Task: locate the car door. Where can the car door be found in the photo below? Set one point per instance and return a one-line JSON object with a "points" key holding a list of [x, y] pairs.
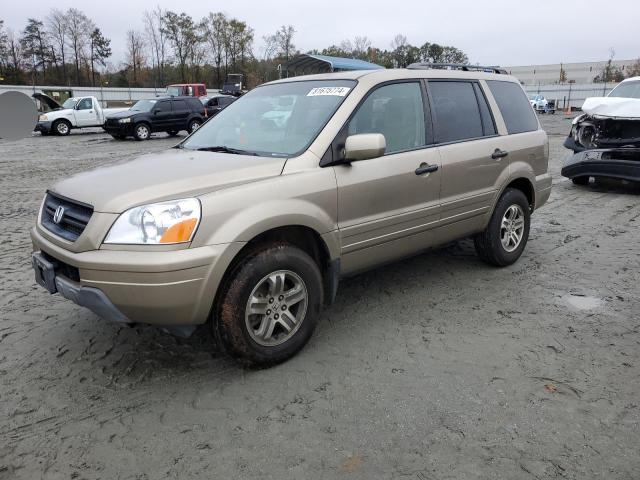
{"points": [[161, 116], [471, 151], [86, 114], [387, 205], [180, 115]]}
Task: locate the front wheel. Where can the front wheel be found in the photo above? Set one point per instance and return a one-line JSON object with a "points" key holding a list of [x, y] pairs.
{"points": [[62, 127], [504, 239], [141, 131], [269, 306]]}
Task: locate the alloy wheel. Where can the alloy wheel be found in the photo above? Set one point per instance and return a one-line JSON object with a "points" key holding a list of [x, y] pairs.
{"points": [[512, 228], [276, 308]]}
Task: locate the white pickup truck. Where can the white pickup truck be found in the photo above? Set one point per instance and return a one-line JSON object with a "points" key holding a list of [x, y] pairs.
{"points": [[76, 112]]}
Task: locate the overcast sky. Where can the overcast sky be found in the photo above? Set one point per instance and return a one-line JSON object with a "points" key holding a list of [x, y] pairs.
{"points": [[504, 32]]}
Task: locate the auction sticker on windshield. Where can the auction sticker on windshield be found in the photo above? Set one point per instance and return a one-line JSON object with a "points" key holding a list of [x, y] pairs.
{"points": [[337, 91]]}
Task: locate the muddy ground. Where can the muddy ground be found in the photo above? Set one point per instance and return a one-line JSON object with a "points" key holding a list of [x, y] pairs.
{"points": [[437, 367]]}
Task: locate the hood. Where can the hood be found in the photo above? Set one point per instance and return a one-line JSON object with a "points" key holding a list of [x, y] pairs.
{"points": [[612, 107], [48, 101], [167, 175], [121, 113]]}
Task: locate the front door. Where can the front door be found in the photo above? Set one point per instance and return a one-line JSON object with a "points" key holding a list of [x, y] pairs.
{"points": [[86, 114], [387, 205]]}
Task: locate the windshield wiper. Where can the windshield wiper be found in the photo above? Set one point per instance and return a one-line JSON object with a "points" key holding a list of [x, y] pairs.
{"points": [[225, 149]]}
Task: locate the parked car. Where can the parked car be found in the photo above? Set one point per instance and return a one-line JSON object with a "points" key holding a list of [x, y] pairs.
{"points": [[214, 105], [162, 114], [541, 104], [605, 138], [187, 90], [75, 112], [247, 225]]}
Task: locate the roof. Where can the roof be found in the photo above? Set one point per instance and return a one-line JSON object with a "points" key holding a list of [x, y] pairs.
{"points": [[382, 75], [328, 63]]}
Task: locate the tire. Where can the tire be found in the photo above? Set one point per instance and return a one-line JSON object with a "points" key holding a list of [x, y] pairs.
{"points": [[194, 125], [261, 339], [172, 133], [512, 214], [141, 132], [61, 127], [580, 180]]}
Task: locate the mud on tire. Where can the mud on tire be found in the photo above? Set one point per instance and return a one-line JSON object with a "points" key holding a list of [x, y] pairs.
{"points": [[238, 332]]}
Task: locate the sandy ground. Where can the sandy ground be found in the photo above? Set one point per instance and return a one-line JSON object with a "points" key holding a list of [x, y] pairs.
{"points": [[437, 367]]}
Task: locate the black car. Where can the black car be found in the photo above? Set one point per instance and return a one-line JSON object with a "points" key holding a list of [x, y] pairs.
{"points": [[162, 114], [215, 105]]}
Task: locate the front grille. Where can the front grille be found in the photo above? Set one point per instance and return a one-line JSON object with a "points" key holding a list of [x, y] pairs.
{"points": [[73, 221]]}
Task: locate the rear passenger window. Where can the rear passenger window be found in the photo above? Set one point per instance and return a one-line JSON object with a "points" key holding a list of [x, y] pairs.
{"points": [[488, 126], [456, 111], [179, 106], [397, 112], [514, 106]]}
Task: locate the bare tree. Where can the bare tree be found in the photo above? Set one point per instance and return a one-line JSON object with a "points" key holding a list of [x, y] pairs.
{"points": [[135, 57], [361, 46], [58, 29], [180, 31], [156, 40], [216, 25], [399, 41], [79, 30], [284, 37]]}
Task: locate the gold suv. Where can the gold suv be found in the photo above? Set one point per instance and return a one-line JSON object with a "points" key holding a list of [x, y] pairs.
{"points": [[248, 224]]}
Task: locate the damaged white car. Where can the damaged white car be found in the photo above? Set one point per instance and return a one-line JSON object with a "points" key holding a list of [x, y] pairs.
{"points": [[605, 139]]}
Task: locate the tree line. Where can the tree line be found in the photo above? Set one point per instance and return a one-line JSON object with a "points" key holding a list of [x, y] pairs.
{"points": [[68, 48]]}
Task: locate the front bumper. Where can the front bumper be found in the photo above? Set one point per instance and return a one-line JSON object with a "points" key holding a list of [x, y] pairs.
{"points": [[620, 163], [125, 129], [44, 127], [152, 286]]}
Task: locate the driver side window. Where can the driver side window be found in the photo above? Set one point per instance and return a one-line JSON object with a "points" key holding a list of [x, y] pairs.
{"points": [[85, 104], [397, 112]]}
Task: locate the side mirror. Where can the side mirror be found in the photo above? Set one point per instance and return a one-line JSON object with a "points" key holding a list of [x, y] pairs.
{"points": [[364, 146]]}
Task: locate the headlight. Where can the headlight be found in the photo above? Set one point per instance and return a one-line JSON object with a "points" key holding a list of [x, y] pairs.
{"points": [[42, 118], [157, 223], [125, 120]]}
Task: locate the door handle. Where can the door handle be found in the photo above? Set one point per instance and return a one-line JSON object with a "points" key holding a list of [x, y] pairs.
{"points": [[498, 154], [426, 168]]}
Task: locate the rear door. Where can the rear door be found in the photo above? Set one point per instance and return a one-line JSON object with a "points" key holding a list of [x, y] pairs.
{"points": [[181, 113], [385, 205], [469, 147], [86, 114]]}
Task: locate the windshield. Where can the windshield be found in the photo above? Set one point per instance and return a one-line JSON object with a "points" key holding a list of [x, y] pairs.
{"points": [[273, 120], [143, 105], [70, 103], [627, 90]]}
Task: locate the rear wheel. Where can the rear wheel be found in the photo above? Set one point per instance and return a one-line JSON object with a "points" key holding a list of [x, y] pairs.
{"points": [[270, 305], [61, 127], [506, 235], [141, 131], [580, 180]]}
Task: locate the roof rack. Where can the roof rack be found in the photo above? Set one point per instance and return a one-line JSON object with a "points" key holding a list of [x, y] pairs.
{"points": [[456, 66]]}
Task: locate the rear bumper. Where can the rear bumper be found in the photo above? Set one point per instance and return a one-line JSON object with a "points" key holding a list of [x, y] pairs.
{"points": [[621, 163], [168, 288]]}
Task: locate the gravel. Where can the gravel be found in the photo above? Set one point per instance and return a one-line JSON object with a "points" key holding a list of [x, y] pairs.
{"points": [[436, 367]]}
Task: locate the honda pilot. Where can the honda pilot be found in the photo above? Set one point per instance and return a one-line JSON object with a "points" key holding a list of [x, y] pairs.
{"points": [[248, 224]]}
